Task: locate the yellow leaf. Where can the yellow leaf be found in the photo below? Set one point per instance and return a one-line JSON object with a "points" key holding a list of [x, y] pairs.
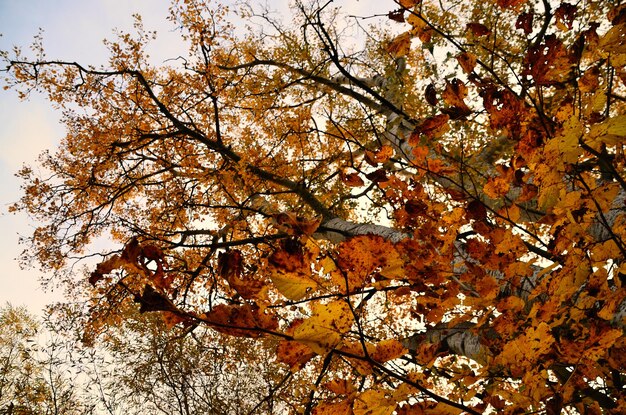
{"points": [[443, 409], [373, 402], [613, 41], [526, 350], [333, 408], [610, 132], [322, 331], [293, 285], [340, 386]]}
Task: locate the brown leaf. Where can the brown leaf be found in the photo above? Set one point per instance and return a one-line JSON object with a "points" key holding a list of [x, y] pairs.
{"points": [[434, 127], [152, 252], [548, 63], [396, 15], [431, 95], [105, 267], [152, 300], [377, 176], [476, 210], [511, 4], [409, 3], [131, 251], [478, 29], [294, 354], [352, 179], [297, 225], [454, 95], [230, 264]]}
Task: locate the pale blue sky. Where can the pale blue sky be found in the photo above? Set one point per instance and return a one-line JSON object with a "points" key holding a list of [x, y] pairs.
{"points": [[73, 30]]}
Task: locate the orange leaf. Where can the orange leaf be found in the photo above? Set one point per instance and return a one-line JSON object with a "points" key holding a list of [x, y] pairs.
{"points": [[400, 45], [352, 179], [467, 61], [240, 320], [294, 354], [434, 127], [388, 350]]}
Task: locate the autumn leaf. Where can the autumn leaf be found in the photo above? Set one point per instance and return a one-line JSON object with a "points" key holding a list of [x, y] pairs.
{"points": [[525, 22], [332, 408], [565, 15], [290, 269], [434, 127], [400, 45], [610, 132], [431, 95], [396, 16], [293, 285], [105, 267], [352, 179], [388, 350], [362, 255], [373, 402], [478, 29], [382, 155], [454, 95], [296, 355], [322, 331], [340, 387], [467, 62], [152, 300], [548, 63], [243, 321]]}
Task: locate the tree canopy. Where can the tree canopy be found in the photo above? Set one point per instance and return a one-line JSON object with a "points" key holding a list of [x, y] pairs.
{"points": [[426, 215]]}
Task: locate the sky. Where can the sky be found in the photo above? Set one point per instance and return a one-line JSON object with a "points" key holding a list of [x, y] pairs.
{"points": [[72, 30]]}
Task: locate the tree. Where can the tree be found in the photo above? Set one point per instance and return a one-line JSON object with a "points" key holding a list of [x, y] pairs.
{"points": [[33, 379], [141, 367], [430, 223]]}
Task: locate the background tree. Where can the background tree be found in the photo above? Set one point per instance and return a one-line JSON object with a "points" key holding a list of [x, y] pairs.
{"points": [[142, 367], [463, 179], [33, 377]]}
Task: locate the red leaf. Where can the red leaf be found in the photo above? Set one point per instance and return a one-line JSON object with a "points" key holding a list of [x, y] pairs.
{"points": [[565, 15], [525, 22], [511, 4]]}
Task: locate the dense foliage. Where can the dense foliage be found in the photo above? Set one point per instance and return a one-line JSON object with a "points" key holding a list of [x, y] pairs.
{"points": [[424, 218]]}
